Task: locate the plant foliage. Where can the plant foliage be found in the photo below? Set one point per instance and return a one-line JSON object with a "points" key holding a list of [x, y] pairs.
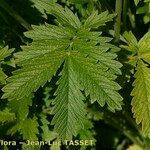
{"points": [[140, 93], [75, 70], [87, 65]]}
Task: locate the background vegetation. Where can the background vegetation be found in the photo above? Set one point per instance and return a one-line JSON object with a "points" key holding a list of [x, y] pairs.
{"points": [[30, 111]]}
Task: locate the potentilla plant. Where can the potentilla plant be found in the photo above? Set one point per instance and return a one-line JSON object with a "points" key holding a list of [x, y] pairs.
{"points": [[78, 77]]}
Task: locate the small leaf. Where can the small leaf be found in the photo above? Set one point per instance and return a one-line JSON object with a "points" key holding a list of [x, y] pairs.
{"points": [[4, 52], [27, 127], [55, 147], [144, 47], [47, 134], [64, 15], [95, 20], [136, 2], [132, 42], [6, 116], [21, 107], [3, 76]]}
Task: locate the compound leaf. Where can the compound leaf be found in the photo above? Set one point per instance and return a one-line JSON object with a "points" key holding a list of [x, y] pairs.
{"points": [[85, 59]]}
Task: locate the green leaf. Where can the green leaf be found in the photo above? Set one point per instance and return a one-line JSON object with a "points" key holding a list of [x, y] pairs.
{"points": [[24, 82], [144, 43], [141, 97], [146, 1], [87, 133], [141, 91], [28, 128], [4, 52], [30, 147], [95, 20], [85, 59], [21, 107], [5, 148], [47, 134], [6, 116], [55, 147], [98, 82], [64, 15], [69, 107], [144, 47], [47, 98], [78, 1], [145, 11], [132, 42], [3, 76], [136, 2], [147, 143], [141, 49], [134, 147]]}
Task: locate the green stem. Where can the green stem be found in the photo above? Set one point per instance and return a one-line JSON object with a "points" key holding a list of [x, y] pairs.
{"points": [[133, 139], [117, 26], [131, 18], [125, 5]]}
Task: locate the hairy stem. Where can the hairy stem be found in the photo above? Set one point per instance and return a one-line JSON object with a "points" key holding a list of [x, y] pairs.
{"points": [[125, 5], [117, 26]]}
